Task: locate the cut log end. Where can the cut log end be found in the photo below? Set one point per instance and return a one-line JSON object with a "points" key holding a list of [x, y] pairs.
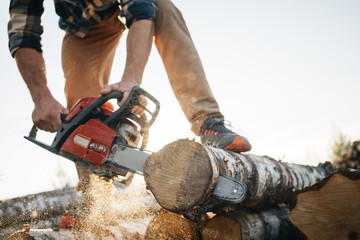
{"points": [[331, 209], [167, 225], [180, 175], [222, 227]]}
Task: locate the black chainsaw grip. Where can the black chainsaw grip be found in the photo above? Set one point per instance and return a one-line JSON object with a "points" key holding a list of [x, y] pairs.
{"points": [[125, 109], [33, 132], [104, 98]]}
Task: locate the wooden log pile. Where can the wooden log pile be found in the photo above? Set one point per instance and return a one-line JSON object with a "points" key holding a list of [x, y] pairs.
{"points": [[183, 175], [350, 159], [280, 201], [329, 209]]}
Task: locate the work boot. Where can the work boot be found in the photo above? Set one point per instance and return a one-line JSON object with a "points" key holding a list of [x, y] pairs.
{"points": [[214, 133]]}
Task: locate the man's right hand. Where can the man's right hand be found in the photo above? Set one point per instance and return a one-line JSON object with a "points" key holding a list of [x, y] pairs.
{"points": [[46, 115]]}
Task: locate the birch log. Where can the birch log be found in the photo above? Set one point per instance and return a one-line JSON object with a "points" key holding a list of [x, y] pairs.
{"points": [[269, 224], [35, 207], [132, 207], [331, 208], [88, 232], [183, 175]]}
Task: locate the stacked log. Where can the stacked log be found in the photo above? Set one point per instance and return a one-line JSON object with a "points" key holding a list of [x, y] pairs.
{"points": [[350, 159], [183, 176], [331, 208], [168, 225], [42, 210], [268, 224], [89, 232]]}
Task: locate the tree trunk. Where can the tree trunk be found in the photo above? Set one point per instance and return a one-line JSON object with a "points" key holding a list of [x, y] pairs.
{"points": [[183, 175], [270, 224], [331, 208], [167, 225]]}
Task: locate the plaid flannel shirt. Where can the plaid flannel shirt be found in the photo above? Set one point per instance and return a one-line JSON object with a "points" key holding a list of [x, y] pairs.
{"points": [[76, 17]]}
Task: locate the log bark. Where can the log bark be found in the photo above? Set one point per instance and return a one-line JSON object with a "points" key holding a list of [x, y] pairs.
{"points": [[183, 174], [167, 225], [35, 207], [269, 224], [331, 208], [88, 232]]}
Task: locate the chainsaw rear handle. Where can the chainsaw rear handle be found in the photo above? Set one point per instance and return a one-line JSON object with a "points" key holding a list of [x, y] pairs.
{"points": [[34, 129]]}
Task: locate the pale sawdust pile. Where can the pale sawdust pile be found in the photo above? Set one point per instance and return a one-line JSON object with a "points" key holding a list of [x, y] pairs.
{"points": [[109, 208]]}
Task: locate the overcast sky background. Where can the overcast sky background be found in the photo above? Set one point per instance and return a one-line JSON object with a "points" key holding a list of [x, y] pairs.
{"points": [[285, 73]]}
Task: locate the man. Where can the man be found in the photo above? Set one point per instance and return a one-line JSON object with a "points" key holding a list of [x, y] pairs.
{"points": [[93, 30]]}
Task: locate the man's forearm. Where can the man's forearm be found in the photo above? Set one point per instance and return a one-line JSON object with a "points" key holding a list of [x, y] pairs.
{"points": [[32, 68], [46, 114], [139, 42]]}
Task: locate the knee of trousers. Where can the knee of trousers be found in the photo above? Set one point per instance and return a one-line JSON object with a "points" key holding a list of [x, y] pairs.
{"points": [[166, 11]]}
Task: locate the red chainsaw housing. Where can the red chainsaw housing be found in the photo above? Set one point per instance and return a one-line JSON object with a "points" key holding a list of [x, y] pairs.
{"points": [[91, 141], [80, 105]]}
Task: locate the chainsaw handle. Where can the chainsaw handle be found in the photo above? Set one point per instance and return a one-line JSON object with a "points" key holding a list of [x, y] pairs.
{"points": [[129, 104], [104, 98], [33, 132]]}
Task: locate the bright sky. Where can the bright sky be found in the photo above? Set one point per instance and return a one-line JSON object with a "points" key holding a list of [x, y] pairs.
{"points": [[285, 73]]}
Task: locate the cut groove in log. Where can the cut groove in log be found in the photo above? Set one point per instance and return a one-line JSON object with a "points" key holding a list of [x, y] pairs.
{"points": [[245, 225], [183, 174], [167, 225], [331, 208]]}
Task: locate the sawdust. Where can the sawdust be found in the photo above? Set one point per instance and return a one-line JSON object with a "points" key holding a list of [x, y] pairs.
{"points": [[105, 204]]}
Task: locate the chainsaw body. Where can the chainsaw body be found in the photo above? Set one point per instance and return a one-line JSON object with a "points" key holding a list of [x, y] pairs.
{"points": [[93, 134]]}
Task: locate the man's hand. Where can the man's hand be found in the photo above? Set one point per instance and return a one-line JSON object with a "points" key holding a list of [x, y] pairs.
{"points": [[46, 114], [125, 87]]}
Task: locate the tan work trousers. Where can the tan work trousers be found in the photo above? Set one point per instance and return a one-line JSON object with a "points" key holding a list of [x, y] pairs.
{"points": [[87, 65]]}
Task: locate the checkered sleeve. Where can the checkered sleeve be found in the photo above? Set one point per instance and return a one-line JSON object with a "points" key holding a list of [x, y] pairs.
{"points": [[24, 27], [135, 10]]}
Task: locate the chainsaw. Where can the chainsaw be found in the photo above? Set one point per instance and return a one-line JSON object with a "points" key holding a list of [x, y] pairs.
{"points": [[102, 140], [105, 141]]}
